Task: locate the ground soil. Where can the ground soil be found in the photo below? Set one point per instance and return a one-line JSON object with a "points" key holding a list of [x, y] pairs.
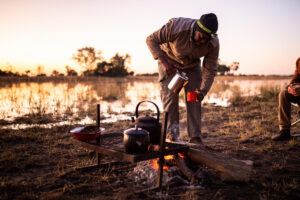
{"points": [[39, 163]]}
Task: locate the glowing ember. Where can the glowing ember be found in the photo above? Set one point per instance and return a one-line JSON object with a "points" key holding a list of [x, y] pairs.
{"points": [[181, 155], [169, 157], [168, 140]]}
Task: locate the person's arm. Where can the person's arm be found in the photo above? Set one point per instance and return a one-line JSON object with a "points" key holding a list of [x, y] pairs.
{"points": [[168, 68], [209, 69], [292, 88], [157, 38]]}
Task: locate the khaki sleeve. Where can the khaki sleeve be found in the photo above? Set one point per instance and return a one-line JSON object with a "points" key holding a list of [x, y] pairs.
{"points": [[159, 37], [209, 69]]}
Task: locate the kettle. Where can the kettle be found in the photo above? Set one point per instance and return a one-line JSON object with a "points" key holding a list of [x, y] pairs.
{"points": [[178, 81], [149, 123], [136, 140]]}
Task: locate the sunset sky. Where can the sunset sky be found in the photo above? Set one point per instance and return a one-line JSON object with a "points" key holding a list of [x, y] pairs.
{"points": [[263, 35]]}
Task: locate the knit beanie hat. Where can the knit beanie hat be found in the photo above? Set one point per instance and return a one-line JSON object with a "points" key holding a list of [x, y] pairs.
{"points": [[208, 24]]}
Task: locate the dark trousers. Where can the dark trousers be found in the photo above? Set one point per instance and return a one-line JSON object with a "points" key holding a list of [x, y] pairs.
{"points": [[284, 109], [170, 101]]}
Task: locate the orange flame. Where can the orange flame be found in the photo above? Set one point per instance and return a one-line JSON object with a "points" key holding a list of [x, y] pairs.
{"points": [[155, 164]]}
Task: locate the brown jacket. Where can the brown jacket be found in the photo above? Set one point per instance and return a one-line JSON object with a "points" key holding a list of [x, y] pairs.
{"points": [[175, 41]]}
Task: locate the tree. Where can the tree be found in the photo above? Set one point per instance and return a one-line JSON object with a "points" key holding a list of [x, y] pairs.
{"points": [[120, 61], [102, 68], [40, 70], [71, 72], [116, 67], [55, 73], [27, 72], [119, 65], [222, 68], [86, 57], [3, 73], [234, 66]]}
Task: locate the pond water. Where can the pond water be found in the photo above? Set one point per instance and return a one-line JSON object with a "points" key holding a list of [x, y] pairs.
{"points": [[117, 97]]}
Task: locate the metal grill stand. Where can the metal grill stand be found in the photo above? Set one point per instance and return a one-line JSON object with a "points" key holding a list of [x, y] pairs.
{"points": [[112, 145]]}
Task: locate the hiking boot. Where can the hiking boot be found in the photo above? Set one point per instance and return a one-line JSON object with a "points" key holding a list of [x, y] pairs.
{"points": [[195, 140], [282, 135]]}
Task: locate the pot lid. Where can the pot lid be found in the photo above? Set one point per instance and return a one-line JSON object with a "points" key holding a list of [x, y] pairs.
{"points": [[136, 131], [183, 75], [147, 119]]}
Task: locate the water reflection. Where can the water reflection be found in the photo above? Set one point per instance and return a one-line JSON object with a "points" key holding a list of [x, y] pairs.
{"points": [[226, 87], [118, 97]]}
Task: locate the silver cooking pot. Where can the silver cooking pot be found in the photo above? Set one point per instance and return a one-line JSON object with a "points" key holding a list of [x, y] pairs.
{"points": [[178, 81]]}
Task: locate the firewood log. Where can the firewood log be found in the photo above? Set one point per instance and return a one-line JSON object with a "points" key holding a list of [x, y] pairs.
{"points": [[230, 169]]}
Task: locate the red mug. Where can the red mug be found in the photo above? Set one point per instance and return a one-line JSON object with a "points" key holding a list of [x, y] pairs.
{"points": [[191, 96]]}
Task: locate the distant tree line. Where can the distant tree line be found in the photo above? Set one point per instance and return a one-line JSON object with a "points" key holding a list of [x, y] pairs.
{"points": [[91, 61], [148, 74], [95, 65], [8, 73]]}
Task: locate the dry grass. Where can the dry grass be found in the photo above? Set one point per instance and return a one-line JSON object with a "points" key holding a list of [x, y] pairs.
{"points": [[37, 163], [268, 92]]}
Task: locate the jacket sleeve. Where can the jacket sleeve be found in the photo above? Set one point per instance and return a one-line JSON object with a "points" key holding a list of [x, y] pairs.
{"points": [[161, 36], [209, 68]]}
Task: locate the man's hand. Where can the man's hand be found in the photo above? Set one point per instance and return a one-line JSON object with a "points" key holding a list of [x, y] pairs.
{"points": [[168, 68], [294, 89], [200, 95]]}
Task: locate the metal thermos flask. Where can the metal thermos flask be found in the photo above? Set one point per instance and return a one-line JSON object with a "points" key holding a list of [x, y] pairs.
{"points": [[178, 82]]}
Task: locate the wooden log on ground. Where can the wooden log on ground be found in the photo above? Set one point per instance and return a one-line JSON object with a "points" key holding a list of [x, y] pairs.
{"points": [[189, 174], [230, 169]]}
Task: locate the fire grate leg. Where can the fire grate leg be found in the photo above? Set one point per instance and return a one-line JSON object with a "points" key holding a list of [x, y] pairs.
{"points": [[98, 139], [161, 150], [160, 172]]}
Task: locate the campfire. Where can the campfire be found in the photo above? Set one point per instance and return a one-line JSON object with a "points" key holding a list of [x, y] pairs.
{"points": [[175, 171], [146, 173], [169, 159]]}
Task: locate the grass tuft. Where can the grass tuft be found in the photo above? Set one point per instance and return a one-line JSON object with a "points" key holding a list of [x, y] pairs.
{"points": [[268, 92]]}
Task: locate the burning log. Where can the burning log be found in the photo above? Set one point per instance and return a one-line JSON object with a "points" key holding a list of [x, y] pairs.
{"points": [[230, 169]]}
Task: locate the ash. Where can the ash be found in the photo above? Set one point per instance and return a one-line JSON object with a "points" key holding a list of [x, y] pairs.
{"points": [[145, 175]]}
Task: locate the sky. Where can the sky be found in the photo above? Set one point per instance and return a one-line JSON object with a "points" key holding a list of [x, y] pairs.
{"points": [[262, 35]]}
